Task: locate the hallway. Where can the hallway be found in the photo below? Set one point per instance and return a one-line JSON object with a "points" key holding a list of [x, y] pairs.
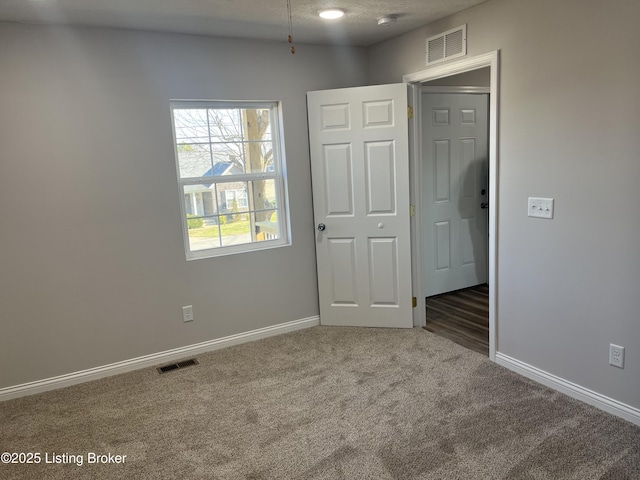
{"points": [[461, 316]]}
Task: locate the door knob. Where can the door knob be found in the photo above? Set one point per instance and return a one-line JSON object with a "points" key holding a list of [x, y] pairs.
{"points": [[484, 205], [321, 227]]}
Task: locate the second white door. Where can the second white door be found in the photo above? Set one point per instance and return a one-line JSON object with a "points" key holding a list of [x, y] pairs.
{"points": [[455, 190]]}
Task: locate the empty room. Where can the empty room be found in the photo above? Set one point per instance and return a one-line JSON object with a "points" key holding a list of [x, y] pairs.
{"points": [[312, 239]]}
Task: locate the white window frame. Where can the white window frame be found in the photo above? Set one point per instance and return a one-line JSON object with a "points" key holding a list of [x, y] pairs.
{"points": [[278, 175]]}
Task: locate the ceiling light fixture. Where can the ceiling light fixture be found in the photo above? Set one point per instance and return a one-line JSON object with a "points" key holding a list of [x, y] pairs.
{"points": [[387, 20], [331, 14]]}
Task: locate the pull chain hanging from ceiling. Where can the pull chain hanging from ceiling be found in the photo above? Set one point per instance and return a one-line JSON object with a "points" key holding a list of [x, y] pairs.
{"points": [[290, 37]]}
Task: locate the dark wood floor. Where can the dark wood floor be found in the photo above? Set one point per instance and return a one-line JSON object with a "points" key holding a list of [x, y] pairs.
{"points": [[462, 317]]}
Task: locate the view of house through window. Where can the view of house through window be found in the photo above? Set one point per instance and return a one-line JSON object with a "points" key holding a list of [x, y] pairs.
{"points": [[229, 165]]}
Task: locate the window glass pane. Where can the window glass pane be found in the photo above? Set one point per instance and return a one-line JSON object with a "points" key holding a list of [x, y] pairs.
{"points": [[194, 160], [266, 225], [223, 141], [264, 194], [234, 198], [209, 204], [242, 138], [257, 134], [228, 158], [204, 232], [256, 123], [191, 125], [225, 124], [200, 199], [259, 157], [236, 230]]}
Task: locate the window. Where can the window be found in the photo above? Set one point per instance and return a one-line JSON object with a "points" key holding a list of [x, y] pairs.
{"points": [[230, 171]]}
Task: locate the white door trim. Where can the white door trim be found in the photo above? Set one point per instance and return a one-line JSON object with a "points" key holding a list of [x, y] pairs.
{"points": [[455, 89], [491, 60]]}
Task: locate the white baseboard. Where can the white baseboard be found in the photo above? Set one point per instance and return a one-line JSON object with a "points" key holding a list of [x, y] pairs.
{"points": [[585, 395], [61, 381]]}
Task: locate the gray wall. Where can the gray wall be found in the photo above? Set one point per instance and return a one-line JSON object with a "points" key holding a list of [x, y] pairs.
{"points": [[569, 129], [92, 264], [475, 78]]}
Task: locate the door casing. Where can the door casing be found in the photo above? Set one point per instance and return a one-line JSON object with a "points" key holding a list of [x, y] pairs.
{"points": [[415, 80]]}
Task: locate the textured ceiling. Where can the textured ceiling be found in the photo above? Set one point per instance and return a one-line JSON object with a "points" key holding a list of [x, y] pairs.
{"points": [[257, 19]]}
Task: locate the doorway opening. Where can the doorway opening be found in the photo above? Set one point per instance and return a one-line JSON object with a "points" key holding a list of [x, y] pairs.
{"points": [[462, 309], [455, 205]]}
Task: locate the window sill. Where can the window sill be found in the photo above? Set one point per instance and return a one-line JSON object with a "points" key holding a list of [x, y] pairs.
{"points": [[236, 249]]}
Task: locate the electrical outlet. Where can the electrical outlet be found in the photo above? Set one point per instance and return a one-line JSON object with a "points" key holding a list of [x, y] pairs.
{"points": [[540, 207], [616, 356], [187, 313]]}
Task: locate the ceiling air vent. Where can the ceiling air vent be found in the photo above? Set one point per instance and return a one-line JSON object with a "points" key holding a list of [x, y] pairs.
{"points": [[444, 46]]}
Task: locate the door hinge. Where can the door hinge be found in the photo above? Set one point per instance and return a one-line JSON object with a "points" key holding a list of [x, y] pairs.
{"points": [[414, 302], [412, 210], [410, 112]]}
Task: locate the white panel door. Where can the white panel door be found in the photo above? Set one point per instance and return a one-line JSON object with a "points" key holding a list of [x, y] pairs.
{"points": [[455, 197], [360, 167]]}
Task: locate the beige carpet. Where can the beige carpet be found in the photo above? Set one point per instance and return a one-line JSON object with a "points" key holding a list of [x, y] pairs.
{"points": [[322, 403]]}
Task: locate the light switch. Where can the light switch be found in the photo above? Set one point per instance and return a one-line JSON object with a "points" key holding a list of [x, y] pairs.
{"points": [[540, 207]]}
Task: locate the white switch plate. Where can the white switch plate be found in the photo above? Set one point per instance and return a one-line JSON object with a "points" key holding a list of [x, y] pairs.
{"points": [[187, 313], [616, 355], [540, 207]]}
